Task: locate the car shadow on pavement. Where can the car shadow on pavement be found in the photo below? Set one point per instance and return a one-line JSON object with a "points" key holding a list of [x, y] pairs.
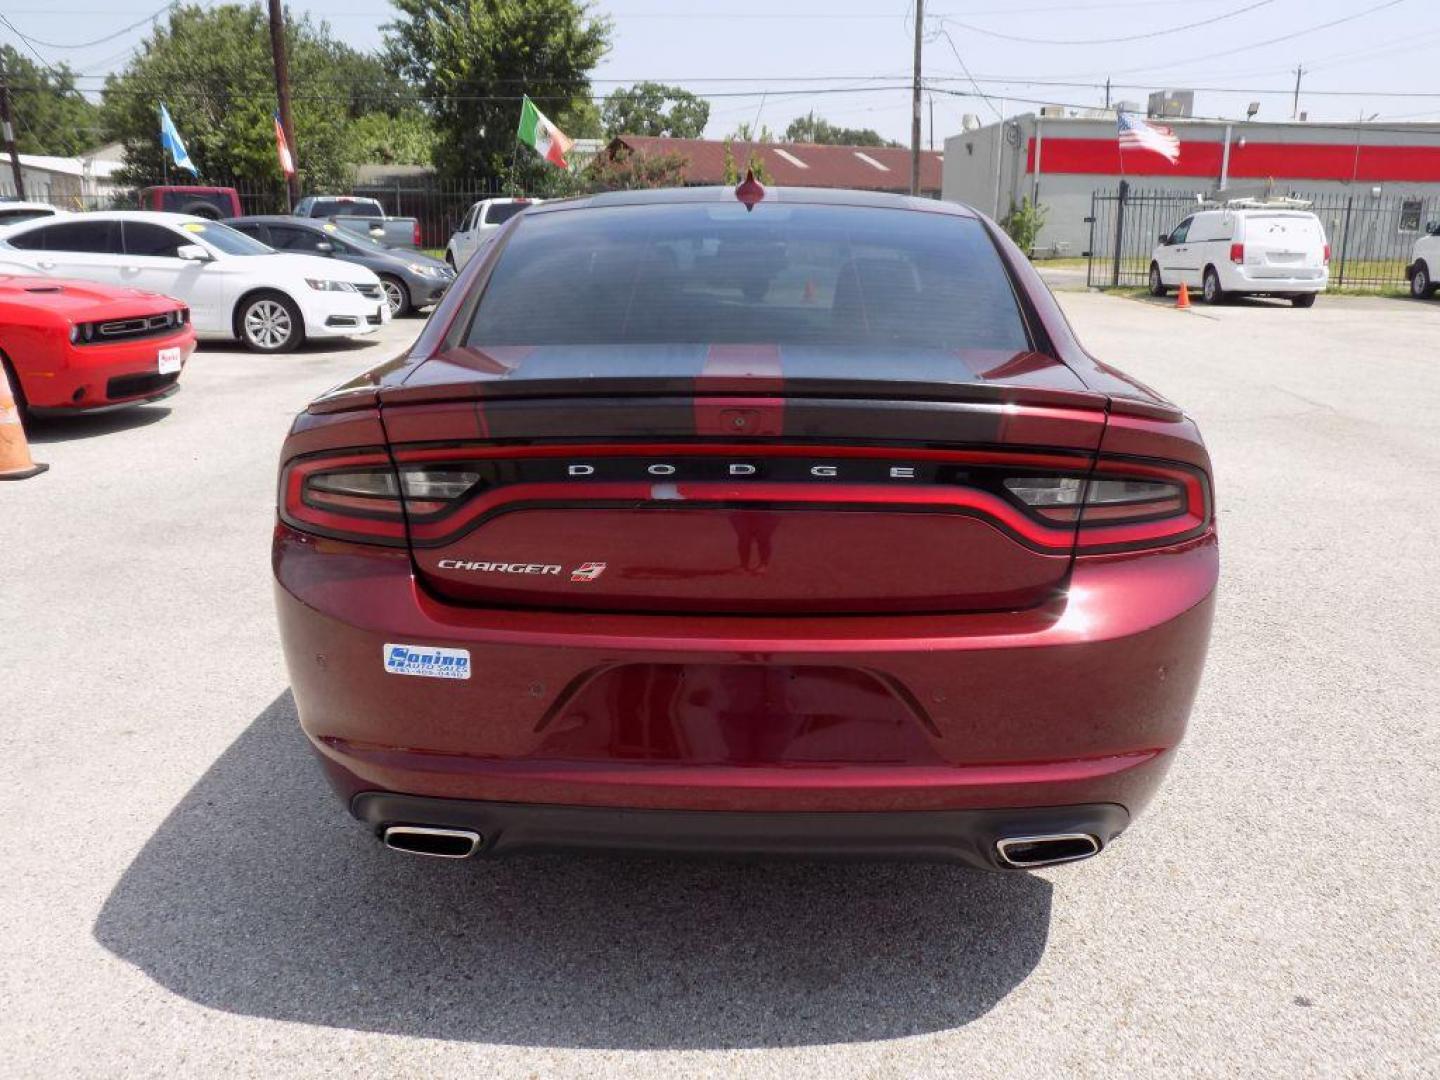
{"points": [[258, 895], [322, 345], [57, 429]]}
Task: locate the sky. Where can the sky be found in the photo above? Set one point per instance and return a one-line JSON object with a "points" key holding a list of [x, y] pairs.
{"points": [[850, 60]]}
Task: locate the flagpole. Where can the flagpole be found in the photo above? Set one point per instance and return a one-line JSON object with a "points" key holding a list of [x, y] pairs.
{"points": [[164, 167]]}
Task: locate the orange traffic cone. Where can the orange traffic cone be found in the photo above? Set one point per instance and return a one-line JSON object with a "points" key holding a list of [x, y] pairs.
{"points": [[1183, 299], [15, 460]]}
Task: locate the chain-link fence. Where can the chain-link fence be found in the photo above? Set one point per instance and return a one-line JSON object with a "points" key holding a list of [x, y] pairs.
{"points": [[1370, 236]]}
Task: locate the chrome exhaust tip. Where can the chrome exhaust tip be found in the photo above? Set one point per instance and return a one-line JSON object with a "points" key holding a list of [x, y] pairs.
{"points": [[436, 843], [1027, 852]]}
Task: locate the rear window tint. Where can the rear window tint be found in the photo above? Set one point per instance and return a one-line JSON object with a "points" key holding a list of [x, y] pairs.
{"points": [[499, 213], [800, 275]]}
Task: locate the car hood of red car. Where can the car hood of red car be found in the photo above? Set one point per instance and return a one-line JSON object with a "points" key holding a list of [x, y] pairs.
{"points": [[79, 301]]}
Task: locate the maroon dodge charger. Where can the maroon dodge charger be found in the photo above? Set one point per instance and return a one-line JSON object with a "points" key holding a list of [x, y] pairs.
{"points": [[796, 522]]}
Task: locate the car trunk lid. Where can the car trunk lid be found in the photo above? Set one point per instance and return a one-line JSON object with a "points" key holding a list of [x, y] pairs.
{"points": [[739, 478]]}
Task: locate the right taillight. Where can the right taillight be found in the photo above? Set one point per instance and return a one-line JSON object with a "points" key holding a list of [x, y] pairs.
{"points": [[1237, 253], [362, 496], [1122, 506]]}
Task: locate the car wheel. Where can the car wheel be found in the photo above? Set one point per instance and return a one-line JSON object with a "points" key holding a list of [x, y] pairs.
{"points": [[397, 296], [1421, 287], [1304, 299], [270, 323], [1157, 286], [202, 210], [1211, 292]]}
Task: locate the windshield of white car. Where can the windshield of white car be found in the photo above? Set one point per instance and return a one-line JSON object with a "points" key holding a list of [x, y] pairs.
{"points": [[225, 239]]}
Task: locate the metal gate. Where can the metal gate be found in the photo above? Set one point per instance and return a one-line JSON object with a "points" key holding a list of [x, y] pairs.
{"points": [[1370, 235]]}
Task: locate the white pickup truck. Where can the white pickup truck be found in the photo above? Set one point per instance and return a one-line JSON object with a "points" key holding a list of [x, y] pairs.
{"points": [[481, 222], [1425, 263]]}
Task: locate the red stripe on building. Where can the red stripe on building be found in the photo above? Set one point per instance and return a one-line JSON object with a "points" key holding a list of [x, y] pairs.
{"points": [[1290, 161]]}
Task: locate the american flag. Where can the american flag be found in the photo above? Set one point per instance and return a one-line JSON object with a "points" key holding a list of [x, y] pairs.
{"points": [[1136, 134]]}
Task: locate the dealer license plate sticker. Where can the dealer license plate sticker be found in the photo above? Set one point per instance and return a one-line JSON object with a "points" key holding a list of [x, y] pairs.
{"points": [[427, 661], [170, 361]]}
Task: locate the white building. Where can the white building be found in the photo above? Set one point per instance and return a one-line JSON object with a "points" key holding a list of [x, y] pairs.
{"points": [[71, 183]]}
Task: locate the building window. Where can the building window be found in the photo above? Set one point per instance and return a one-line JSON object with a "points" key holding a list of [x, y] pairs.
{"points": [[1410, 211]]}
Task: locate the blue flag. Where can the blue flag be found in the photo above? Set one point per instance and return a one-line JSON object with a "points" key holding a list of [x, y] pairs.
{"points": [[170, 140]]}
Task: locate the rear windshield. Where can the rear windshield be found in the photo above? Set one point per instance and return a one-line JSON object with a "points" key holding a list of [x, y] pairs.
{"points": [[502, 212], [367, 208], [801, 275]]}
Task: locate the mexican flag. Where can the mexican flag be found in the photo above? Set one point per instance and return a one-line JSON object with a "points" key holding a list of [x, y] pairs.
{"points": [[536, 130]]}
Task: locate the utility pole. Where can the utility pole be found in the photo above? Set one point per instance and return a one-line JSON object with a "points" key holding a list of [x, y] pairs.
{"points": [[932, 122], [915, 101], [9, 131], [282, 91], [1107, 93], [1295, 105]]}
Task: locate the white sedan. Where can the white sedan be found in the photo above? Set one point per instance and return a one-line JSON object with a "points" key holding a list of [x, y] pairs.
{"points": [[235, 286]]}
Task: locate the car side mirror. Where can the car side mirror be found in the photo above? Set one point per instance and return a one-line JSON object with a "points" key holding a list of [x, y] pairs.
{"points": [[193, 253], [325, 247], [1164, 238]]}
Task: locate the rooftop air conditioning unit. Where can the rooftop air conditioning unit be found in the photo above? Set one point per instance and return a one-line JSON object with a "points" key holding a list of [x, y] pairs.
{"points": [[1172, 103], [1052, 112]]}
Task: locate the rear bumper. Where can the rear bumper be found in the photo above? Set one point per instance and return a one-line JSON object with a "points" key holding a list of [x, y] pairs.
{"points": [[1080, 702], [1242, 281], [964, 836]]}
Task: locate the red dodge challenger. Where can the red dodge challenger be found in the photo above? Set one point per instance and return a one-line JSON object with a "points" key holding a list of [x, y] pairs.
{"points": [[75, 346], [791, 522]]}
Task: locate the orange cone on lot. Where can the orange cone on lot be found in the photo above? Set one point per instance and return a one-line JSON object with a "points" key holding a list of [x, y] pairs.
{"points": [[1182, 299], [15, 460]]}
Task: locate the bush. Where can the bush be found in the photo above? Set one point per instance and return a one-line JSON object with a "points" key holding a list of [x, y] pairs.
{"points": [[1024, 222]]}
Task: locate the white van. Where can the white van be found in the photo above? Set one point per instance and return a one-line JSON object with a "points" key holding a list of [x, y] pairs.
{"points": [[1424, 268], [1246, 249]]}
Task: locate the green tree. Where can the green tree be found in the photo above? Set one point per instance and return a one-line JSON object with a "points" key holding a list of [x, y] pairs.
{"points": [[650, 108], [816, 129], [744, 132], [755, 163], [472, 59], [51, 117], [212, 69], [378, 139]]}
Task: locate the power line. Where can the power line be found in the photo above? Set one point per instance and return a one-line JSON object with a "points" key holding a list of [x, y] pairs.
{"points": [[1111, 40], [1268, 41], [98, 41]]}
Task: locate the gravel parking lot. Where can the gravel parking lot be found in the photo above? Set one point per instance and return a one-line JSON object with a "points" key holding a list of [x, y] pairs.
{"points": [[181, 894]]}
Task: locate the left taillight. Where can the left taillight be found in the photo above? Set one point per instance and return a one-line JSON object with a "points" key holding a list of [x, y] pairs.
{"points": [[1122, 506], [415, 233], [363, 497]]}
